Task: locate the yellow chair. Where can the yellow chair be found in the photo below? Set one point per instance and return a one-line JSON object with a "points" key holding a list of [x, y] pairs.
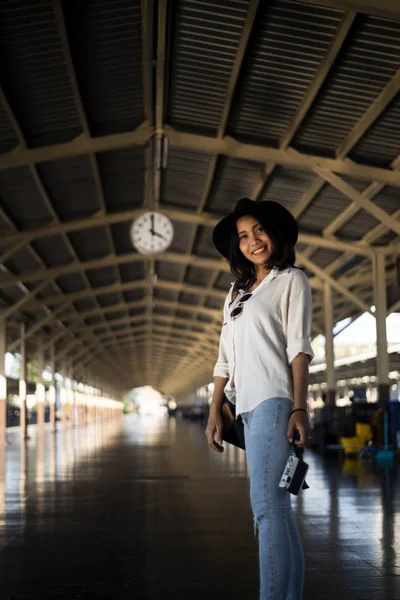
{"points": [[354, 444]]}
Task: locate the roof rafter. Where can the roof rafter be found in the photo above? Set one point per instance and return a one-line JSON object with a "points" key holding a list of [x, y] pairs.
{"points": [[167, 304], [227, 146], [207, 220], [372, 190], [289, 157], [334, 283], [360, 199]]}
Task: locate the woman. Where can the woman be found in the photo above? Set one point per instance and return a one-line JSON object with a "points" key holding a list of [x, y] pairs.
{"points": [[262, 368]]}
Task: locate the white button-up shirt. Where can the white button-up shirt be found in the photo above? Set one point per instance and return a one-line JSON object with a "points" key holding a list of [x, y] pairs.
{"points": [[256, 349]]}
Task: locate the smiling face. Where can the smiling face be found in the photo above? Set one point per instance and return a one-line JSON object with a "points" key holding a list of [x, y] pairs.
{"points": [[254, 242]]}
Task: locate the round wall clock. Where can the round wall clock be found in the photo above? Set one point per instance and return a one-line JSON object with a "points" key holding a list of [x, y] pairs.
{"points": [[152, 233]]}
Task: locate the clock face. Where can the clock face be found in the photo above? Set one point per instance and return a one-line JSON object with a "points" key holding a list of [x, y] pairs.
{"points": [[152, 233]]}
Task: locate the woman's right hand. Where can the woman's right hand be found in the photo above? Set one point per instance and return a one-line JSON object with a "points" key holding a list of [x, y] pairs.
{"points": [[214, 430]]}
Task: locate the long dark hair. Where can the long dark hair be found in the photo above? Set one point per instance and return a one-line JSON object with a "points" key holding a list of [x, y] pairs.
{"points": [[283, 256]]}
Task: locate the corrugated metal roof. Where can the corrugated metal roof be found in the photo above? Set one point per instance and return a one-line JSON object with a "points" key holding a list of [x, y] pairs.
{"points": [[71, 186], [167, 271], [122, 174], [182, 236], [164, 294], [329, 203], [183, 180], [122, 240], [380, 145], [234, 179], [53, 251], [90, 244], [292, 41], [100, 277], [364, 67], [106, 49], [204, 245], [71, 283], [197, 276], [206, 38], [21, 199], [358, 226], [8, 138], [132, 295], [287, 186], [29, 38], [322, 257], [132, 272]]}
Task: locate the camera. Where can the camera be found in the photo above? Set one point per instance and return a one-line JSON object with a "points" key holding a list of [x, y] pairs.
{"points": [[295, 471], [294, 475]]}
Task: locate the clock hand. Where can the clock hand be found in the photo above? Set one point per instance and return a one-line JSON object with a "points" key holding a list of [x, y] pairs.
{"points": [[159, 235]]}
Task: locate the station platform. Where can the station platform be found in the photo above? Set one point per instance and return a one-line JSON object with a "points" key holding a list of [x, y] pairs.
{"points": [[138, 508]]}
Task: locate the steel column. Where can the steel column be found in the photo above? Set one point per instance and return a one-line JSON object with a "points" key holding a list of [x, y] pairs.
{"points": [[382, 357], [329, 347], [23, 422], [3, 386], [52, 390], [40, 389]]}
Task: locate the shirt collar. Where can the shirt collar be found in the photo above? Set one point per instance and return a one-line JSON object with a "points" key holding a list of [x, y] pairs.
{"points": [[271, 275]]}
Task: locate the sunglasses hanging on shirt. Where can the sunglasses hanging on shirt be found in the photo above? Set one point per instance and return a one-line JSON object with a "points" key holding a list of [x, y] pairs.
{"points": [[237, 311]]}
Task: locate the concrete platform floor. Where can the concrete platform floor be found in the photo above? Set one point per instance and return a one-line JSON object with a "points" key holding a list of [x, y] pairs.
{"points": [[141, 509]]}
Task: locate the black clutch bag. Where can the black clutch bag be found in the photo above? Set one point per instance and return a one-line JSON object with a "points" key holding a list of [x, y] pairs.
{"points": [[233, 428]]}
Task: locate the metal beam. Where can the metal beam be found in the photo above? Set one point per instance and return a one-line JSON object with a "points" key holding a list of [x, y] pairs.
{"points": [[227, 146], [161, 318], [81, 145], [207, 220], [360, 199], [291, 158], [372, 190], [110, 260], [121, 306], [394, 308], [56, 299], [384, 8], [334, 284], [374, 111], [5, 313], [308, 197]]}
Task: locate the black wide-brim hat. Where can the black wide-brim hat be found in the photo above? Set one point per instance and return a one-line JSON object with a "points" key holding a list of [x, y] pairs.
{"points": [[267, 212]]}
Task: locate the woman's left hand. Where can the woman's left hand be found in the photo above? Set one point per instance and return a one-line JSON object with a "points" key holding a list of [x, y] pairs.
{"points": [[300, 420]]}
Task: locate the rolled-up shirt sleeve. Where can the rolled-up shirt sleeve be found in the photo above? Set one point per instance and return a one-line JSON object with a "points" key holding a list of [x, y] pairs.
{"points": [[299, 317], [221, 368]]}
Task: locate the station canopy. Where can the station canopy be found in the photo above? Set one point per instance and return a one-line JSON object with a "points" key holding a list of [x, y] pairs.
{"points": [[184, 106]]}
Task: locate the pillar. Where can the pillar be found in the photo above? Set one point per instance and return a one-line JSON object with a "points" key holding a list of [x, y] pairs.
{"points": [[382, 357], [23, 421], [68, 393], [52, 390], [40, 389], [329, 348], [63, 399], [3, 386]]}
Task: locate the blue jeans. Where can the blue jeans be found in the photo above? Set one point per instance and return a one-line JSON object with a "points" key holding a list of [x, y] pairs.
{"points": [[280, 551]]}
